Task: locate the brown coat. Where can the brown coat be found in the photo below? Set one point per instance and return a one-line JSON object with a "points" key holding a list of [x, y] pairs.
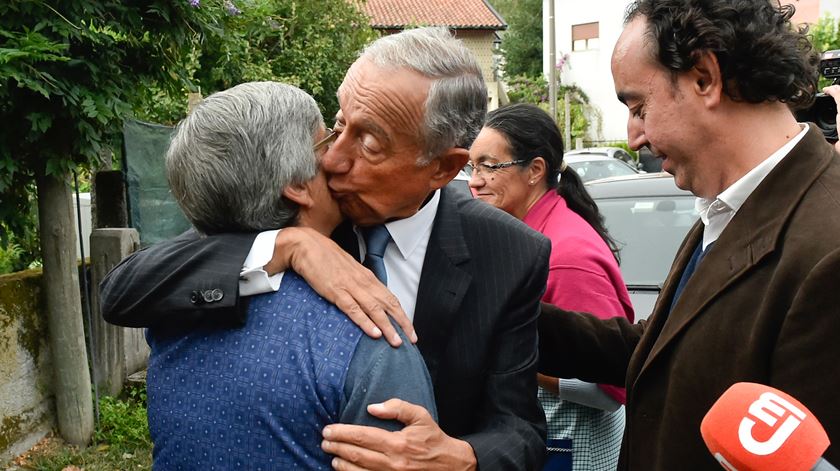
{"points": [[763, 306]]}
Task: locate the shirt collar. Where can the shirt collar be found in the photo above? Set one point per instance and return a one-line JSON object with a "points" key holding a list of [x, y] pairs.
{"points": [[407, 233], [732, 198]]}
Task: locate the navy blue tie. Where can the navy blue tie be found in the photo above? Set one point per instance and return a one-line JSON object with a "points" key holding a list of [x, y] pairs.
{"points": [[696, 258], [376, 240]]}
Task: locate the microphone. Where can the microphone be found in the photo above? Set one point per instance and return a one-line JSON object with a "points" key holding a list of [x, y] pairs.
{"points": [[753, 427]]}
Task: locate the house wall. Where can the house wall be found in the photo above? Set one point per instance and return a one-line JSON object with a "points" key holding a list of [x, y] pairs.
{"points": [[481, 43], [830, 7], [590, 70], [807, 11]]}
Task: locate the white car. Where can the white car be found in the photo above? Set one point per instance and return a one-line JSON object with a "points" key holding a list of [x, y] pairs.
{"points": [[596, 163]]}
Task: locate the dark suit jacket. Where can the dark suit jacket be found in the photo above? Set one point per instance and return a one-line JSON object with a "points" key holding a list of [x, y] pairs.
{"points": [[476, 316], [763, 306]]}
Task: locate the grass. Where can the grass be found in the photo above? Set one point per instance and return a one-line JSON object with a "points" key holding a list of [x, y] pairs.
{"points": [[121, 441]]}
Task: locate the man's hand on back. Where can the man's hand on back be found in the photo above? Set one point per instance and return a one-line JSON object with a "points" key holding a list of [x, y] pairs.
{"points": [[342, 280], [420, 445]]}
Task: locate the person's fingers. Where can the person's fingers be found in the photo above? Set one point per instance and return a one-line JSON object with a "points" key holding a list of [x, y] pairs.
{"points": [[348, 305], [400, 410], [348, 456], [369, 438], [343, 465], [377, 303], [392, 306], [383, 304]]}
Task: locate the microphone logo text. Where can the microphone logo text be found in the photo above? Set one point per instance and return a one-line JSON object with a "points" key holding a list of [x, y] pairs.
{"points": [[769, 409]]}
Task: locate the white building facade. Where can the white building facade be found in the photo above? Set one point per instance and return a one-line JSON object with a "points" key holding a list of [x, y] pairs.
{"points": [[588, 30]]}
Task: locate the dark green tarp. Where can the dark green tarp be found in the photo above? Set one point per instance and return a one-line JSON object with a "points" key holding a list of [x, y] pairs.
{"points": [[152, 209]]}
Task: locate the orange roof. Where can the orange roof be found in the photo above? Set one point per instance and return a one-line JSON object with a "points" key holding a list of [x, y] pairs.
{"points": [[458, 14]]}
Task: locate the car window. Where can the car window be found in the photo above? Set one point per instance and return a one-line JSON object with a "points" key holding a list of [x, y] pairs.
{"points": [[649, 231], [595, 169]]}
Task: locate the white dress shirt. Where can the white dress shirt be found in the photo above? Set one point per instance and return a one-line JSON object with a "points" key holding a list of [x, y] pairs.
{"points": [[406, 252], [403, 258], [717, 213]]}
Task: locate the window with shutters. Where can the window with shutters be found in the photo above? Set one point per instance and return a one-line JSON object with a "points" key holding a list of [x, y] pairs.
{"points": [[585, 37]]}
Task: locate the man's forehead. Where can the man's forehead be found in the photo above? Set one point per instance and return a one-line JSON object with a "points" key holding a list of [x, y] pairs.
{"points": [[393, 95], [634, 41]]}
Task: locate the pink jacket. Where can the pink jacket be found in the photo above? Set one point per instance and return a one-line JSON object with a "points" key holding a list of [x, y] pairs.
{"points": [[583, 274]]}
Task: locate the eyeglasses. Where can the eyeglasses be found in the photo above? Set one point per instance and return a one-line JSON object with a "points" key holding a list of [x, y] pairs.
{"points": [[483, 168], [331, 137]]}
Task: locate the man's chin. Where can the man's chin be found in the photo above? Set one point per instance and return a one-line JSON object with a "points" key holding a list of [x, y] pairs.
{"points": [[358, 214]]}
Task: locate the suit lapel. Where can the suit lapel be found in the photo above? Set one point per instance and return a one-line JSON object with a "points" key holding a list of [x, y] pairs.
{"points": [[752, 234], [443, 282]]}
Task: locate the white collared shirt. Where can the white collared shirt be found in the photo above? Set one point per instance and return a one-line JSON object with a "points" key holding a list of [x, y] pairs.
{"points": [[717, 213], [404, 257], [406, 252]]}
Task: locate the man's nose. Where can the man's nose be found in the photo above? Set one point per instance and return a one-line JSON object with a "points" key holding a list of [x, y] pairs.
{"points": [[337, 158], [636, 138]]}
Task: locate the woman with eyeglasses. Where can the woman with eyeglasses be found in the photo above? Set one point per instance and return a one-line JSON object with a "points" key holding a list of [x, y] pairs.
{"points": [[516, 164]]}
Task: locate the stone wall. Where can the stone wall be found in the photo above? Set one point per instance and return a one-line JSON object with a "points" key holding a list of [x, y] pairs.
{"points": [[27, 402], [26, 388]]}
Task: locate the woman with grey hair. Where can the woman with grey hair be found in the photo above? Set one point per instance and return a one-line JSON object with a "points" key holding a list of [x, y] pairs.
{"points": [[241, 160], [258, 395]]}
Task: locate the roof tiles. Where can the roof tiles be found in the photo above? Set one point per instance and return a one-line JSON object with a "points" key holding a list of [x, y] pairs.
{"points": [[459, 14]]}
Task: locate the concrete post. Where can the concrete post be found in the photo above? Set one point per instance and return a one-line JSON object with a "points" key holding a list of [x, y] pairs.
{"points": [[119, 351]]}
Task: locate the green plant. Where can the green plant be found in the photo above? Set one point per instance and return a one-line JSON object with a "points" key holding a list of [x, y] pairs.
{"points": [[9, 258], [120, 442], [19, 243], [123, 422], [534, 90], [522, 42], [71, 71], [825, 36]]}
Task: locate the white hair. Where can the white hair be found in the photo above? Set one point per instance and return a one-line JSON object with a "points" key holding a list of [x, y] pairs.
{"points": [[457, 100], [231, 158]]}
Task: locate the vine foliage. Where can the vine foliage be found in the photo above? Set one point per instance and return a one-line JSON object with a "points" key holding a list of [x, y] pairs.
{"points": [[72, 70]]}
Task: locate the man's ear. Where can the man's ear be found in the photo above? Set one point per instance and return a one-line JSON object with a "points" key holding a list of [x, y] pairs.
{"points": [[448, 165], [299, 193], [706, 77]]}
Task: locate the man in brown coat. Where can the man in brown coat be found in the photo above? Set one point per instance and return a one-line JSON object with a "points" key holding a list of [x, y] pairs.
{"points": [[753, 292]]}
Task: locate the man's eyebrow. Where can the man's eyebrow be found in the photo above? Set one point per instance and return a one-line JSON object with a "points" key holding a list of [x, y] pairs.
{"points": [[374, 128], [624, 97]]}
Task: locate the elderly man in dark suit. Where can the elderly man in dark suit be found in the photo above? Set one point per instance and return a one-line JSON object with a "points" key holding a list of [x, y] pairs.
{"points": [[752, 294], [469, 275]]}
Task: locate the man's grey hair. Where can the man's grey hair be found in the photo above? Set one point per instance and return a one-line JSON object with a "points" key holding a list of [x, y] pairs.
{"points": [[231, 158], [457, 101]]}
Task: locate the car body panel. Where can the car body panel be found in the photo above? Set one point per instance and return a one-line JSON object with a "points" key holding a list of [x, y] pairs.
{"points": [[649, 217]]}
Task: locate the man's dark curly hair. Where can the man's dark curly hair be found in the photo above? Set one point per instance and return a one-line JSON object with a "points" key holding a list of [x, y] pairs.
{"points": [[762, 57]]}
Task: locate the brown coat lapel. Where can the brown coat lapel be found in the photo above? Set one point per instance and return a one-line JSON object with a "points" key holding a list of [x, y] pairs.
{"points": [[751, 235]]}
